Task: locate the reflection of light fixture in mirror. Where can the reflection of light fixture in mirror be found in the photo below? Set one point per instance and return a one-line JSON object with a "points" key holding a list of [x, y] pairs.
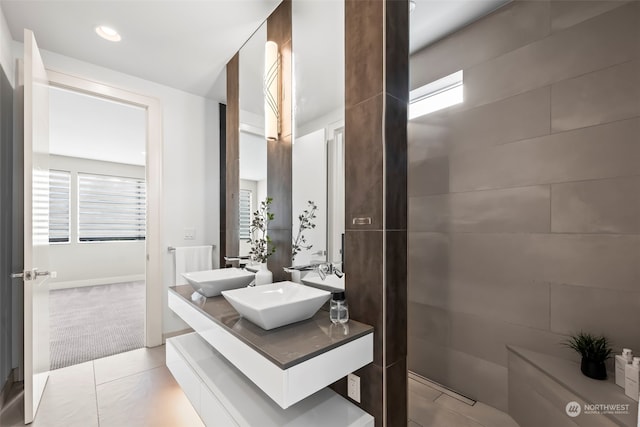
{"points": [[271, 91], [412, 5]]}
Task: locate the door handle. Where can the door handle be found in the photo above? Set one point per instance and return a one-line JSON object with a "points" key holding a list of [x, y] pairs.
{"points": [[25, 275], [33, 274]]}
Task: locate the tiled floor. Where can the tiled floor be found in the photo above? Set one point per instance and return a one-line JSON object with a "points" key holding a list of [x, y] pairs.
{"points": [[135, 389], [429, 407], [132, 389]]}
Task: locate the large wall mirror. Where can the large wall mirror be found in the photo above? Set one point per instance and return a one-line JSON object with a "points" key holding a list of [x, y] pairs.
{"points": [[253, 145], [318, 145]]}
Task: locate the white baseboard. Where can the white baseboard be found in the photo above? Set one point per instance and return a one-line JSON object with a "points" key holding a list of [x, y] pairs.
{"points": [[95, 282]]}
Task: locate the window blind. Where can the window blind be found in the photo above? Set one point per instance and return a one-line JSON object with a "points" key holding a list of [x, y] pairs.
{"points": [[111, 208], [59, 213], [245, 213]]}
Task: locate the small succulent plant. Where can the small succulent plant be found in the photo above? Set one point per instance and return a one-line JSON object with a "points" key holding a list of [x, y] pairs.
{"points": [[591, 347]]}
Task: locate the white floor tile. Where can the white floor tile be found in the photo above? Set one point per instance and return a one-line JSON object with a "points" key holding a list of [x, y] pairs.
{"points": [[69, 399], [148, 399], [484, 414], [129, 363], [427, 413]]}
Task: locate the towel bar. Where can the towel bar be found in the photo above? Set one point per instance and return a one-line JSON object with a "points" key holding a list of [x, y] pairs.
{"points": [[172, 248]]}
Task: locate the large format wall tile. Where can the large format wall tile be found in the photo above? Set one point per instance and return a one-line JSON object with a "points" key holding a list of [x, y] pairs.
{"points": [[492, 211], [504, 30], [567, 13], [576, 308], [596, 98], [601, 206], [524, 302], [524, 217], [364, 71], [468, 334], [580, 49], [363, 268], [364, 157], [604, 151], [427, 176], [519, 117], [601, 261]]}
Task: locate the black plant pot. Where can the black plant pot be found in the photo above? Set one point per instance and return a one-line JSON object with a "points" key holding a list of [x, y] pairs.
{"points": [[593, 369]]}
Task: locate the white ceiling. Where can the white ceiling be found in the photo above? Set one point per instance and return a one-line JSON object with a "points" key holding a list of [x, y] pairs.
{"points": [[184, 44], [95, 128]]}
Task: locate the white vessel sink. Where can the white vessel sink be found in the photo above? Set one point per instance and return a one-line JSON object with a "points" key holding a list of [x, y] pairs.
{"points": [[277, 304], [211, 282], [331, 282]]}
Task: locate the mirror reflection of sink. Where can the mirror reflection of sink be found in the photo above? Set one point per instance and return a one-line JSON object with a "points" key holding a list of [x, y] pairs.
{"points": [[277, 304], [211, 282], [331, 282]]}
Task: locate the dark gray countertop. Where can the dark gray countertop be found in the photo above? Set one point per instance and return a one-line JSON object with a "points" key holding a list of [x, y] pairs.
{"points": [[286, 346]]}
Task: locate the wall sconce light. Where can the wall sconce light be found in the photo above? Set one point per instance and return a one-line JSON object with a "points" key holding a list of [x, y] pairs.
{"points": [[271, 91]]}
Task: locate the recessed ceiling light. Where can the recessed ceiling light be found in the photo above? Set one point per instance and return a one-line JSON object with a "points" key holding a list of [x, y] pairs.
{"points": [[108, 33]]}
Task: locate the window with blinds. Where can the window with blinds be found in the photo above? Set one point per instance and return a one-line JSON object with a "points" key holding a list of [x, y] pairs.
{"points": [[59, 212], [111, 208], [245, 213]]}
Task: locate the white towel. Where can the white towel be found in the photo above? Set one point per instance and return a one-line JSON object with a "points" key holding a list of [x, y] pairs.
{"points": [[192, 258]]}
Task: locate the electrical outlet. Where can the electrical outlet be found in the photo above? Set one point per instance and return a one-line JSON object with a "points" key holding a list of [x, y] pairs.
{"points": [[353, 387], [189, 234]]}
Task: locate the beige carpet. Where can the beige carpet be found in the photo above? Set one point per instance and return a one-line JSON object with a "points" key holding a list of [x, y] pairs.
{"points": [[96, 321]]}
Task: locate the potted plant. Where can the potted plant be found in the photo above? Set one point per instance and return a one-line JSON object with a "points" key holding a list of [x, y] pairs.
{"points": [[595, 350], [261, 246]]}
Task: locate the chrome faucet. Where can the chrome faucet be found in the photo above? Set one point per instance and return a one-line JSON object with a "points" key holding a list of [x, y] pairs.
{"points": [[327, 268]]}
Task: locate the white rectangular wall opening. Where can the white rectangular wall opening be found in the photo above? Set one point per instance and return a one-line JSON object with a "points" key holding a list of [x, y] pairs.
{"points": [[436, 95]]}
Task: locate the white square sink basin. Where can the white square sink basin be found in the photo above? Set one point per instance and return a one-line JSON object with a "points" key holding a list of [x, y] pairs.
{"points": [[277, 304], [211, 282]]}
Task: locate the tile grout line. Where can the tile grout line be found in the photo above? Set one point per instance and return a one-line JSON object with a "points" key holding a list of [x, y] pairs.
{"points": [[95, 388]]}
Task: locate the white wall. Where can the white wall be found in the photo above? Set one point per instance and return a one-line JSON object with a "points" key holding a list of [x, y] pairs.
{"points": [[191, 161], [94, 263], [6, 57]]}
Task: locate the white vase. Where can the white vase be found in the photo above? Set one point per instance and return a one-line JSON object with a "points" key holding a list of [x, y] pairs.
{"points": [[264, 276], [296, 277]]}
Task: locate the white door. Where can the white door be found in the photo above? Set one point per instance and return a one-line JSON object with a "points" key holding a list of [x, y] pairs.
{"points": [[36, 227]]}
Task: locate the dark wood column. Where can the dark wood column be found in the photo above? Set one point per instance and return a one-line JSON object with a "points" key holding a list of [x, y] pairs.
{"points": [[232, 164], [279, 152], [377, 76]]}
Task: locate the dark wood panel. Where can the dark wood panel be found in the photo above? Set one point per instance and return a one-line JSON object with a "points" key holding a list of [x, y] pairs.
{"points": [[279, 152], [364, 37], [376, 187], [232, 220], [223, 181], [279, 24]]}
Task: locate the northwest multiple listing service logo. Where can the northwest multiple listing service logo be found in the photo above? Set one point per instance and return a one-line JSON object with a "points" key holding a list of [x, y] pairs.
{"points": [[573, 409]]}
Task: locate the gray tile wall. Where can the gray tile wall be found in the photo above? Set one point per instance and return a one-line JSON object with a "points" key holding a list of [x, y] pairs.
{"points": [[524, 201]]}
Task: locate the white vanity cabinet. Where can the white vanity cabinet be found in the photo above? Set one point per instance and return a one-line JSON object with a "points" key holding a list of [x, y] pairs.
{"points": [[237, 374]]}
